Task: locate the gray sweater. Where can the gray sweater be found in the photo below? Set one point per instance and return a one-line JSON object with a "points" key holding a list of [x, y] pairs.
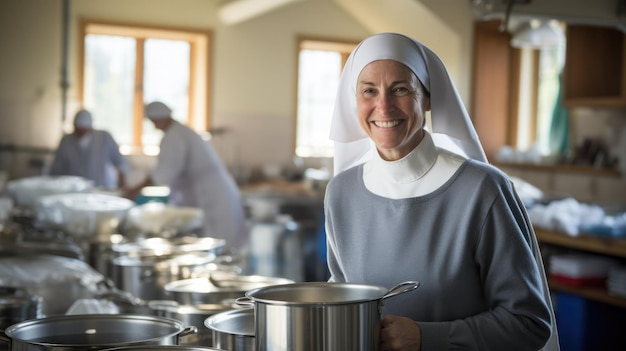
{"points": [[470, 245]]}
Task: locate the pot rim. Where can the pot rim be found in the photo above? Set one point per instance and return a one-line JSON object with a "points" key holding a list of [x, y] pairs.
{"points": [[203, 285], [21, 326], [317, 293], [212, 322]]}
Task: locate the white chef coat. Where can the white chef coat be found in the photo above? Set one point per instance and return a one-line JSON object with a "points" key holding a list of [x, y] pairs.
{"points": [[197, 177]]}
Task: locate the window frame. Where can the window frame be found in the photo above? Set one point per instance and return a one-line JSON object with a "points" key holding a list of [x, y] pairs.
{"points": [[200, 72], [303, 42]]}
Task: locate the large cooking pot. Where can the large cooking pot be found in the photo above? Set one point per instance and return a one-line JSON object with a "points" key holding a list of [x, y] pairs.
{"points": [[93, 332], [191, 315], [217, 287], [174, 246], [16, 305], [145, 277], [163, 348], [319, 316], [232, 330]]}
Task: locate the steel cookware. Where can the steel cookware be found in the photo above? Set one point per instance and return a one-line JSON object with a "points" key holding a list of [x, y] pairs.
{"points": [[191, 315], [173, 246], [217, 287], [16, 305], [145, 277], [319, 316], [232, 330], [93, 332], [164, 348]]}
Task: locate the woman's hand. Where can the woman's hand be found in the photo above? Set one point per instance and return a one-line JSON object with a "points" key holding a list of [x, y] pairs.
{"points": [[399, 334]]}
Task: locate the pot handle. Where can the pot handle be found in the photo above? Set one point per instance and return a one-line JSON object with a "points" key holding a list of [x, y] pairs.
{"points": [[5, 338], [188, 331], [245, 301], [402, 288]]}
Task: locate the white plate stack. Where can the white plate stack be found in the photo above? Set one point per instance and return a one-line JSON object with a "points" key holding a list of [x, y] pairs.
{"points": [[616, 283]]}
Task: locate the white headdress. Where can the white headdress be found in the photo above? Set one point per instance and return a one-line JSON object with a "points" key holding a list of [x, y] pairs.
{"points": [[450, 121]]}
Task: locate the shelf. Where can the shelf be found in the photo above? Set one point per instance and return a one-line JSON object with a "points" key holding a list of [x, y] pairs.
{"points": [[600, 245], [561, 168], [599, 294]]}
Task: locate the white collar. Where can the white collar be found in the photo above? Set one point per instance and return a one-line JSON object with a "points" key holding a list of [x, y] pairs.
{"points": [[409, 168]]}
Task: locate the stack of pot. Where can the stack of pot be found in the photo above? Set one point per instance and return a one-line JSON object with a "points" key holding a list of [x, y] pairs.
{"points": [[196, 299], [144, 267]]}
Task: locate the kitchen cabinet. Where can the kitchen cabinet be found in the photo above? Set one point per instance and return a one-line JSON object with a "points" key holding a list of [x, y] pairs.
{"points": [[588, 317], [614, 247], [595, 67]]}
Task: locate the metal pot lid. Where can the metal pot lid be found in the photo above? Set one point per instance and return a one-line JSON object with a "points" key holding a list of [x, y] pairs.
{"points": [[224, 281], [94, 329], [166, 262], [163, 347], [11, 296], [236, 322], [162, 246]]}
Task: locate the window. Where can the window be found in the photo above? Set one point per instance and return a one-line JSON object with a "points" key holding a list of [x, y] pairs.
{"points": [[125, 67], [320, 63], [539, 88]]}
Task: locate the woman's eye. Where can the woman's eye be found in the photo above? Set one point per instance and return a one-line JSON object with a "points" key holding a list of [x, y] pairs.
{"points": [[400, 91]]}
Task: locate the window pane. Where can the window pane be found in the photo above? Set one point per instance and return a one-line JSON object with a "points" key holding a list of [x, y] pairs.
{"points": [[550, 65], [166, 78], [318, 78], [109, 83]]}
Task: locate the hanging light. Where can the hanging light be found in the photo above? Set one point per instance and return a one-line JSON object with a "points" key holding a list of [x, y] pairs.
{"points": [[538, 34]]}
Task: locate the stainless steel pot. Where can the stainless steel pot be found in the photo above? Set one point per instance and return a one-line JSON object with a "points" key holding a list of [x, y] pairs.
{"points": [[164, 348], [217, 288], [319, 316], [146, 277], [16, 305], [174, 246], [191, 315], [93, 332], [232, 330]]}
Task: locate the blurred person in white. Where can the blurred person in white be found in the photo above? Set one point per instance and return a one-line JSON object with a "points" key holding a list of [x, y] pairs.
{"points": [[197, 177], [407, 203], [92, 154]]}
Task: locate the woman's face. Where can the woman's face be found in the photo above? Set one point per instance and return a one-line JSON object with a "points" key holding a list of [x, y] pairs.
{"points": [[391, 107]]}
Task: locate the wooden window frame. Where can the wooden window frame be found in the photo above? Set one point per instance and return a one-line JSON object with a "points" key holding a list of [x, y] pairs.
{"points": [[200, 104]]}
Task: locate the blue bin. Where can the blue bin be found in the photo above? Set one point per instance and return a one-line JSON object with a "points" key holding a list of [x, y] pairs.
{"points": [[587, 325]]}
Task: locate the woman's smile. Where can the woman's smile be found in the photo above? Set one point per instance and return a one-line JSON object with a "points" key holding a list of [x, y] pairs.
{"points": [[388, 124]]}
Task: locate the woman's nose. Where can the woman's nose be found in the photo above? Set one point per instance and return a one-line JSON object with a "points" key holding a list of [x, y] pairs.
{"points": [[384, 103]]}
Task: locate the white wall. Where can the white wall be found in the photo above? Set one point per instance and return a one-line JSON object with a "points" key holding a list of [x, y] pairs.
{"points": [[253, 61]]}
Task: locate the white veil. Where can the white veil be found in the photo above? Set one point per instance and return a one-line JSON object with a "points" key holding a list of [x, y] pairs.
{"points": [[450, 121]]}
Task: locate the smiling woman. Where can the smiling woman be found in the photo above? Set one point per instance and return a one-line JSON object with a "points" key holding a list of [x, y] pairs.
{"points": [[392, 107]]}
